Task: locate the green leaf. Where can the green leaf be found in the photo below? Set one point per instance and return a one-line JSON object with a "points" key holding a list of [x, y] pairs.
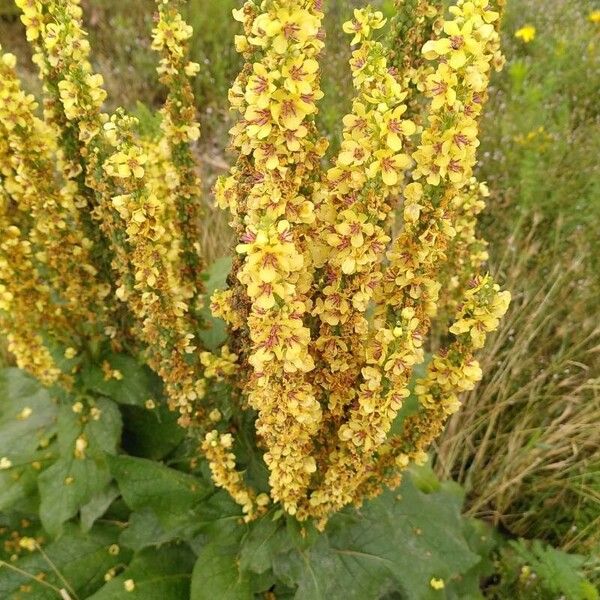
{"points": [[266, 539], [27, 415], [147, 484], [102, 433], [66, 486], [397, 542], [216, 279], [156, 573], [556, 572], [139, 383], [97, 506], [400, 528], [81, 560], [17, 486], [217, 574], [483, 541], [144, 529]]}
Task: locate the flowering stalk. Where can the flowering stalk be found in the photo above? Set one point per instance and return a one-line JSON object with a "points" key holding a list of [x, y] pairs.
{"points": [[73, 96], [355, 204], [407, 298], [62, 250], [179, 126], [452, 370], [269, 194], [149, 283], [24, 297]]}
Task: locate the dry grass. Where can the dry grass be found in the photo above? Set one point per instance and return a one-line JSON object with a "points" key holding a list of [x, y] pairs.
{"points": [[526, 443]]}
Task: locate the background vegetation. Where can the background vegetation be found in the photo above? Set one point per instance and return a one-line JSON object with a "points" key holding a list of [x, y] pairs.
{"points": [[525, 448]]}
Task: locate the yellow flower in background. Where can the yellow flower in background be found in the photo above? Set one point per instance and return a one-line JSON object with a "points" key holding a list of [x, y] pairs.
{"points": [[526, 33], [594, 16]]}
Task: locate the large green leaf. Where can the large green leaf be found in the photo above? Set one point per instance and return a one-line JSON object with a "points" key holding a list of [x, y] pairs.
{"points": [[75, 480], [265, 540], [138, 384], [153, 574], [76, 562], [102, 432], [18, 486], [483, 541], [218, 572], [27, 415], [406, 535], [67, 485], [97, 506], [396, 542], [145, 529], [146, 484]]}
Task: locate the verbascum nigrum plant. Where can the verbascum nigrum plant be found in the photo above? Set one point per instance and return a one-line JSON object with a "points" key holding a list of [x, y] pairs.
{"points": [[342, 265]]}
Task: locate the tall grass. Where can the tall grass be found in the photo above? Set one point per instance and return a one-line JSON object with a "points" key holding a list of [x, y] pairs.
{"points": [[525, 445]]}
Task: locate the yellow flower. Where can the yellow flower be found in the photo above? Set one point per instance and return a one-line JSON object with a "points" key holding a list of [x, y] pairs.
{"points": [[391, 166], [287, 27], [33, 25], [260, 86], [594, 16], [441, 85], [125, 164], [365, 20], [526, 33], [289, 110], [394, 128], [299, 75], [437, 584]]}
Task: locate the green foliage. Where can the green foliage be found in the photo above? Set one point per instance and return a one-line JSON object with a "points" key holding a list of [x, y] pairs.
{"points": [[172, 530], [362, 554], [20, 435], [157, 574], [24, 440], [75, 563], [113, 521], [215, 279], [138, 384], [534, 571], [541, 128]]}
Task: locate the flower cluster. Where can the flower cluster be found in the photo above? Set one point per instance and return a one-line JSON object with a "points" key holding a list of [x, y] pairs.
{"points": [[269, 194], [44, 229], [354, 211], [452, 370], [179, 126], [406, 299], [221, 461], [343, 264], [152, 282]]}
